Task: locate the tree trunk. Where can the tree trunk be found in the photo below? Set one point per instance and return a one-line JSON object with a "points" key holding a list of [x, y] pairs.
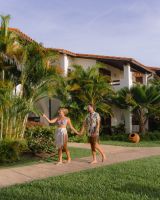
{"points": [[24, 126], [1, 137], [142, 121], [3, 75]]}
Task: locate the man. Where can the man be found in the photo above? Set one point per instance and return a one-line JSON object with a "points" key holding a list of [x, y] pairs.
{"points": [[92, 122]]}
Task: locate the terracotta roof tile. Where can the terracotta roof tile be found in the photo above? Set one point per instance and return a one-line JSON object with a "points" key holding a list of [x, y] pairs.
{"points": [[91, 56], [94, 56], [21, 34], [63, 51], [154, 68]]}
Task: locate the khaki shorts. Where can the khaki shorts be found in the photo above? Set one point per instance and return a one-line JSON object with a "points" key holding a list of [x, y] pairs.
{"points": [[93, 140]]}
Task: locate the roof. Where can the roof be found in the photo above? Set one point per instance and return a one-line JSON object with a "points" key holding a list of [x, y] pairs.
{"points": [[154, 68], [21, 34], [112, 60]]}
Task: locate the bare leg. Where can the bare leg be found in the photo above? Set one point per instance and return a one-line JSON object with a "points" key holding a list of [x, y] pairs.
{"points": [[97, 146], [93, 154], [60, 155], [67, 152]]}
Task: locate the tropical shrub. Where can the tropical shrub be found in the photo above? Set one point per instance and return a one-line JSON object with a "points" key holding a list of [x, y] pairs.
{"points": [[41, 139], [79, 139], [142, 100], [11, 150], [84, 86], [119, 129], [31, 124], [116, 137], [151, 136]]}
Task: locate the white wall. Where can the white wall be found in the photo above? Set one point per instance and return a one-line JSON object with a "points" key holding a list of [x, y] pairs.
{"points": [[65, 62], [43, 106], [118, 116], [116, 74], [84, 62], [145, 79]]}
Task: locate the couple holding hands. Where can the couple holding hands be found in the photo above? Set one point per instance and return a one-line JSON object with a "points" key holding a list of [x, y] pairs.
{"points": [[91, 122]]}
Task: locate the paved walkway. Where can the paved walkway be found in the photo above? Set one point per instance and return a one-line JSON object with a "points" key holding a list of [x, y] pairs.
{"points": [[115, 154]]}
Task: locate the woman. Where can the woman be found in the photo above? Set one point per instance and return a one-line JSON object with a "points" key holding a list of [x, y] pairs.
{"points": [[61, 133]]}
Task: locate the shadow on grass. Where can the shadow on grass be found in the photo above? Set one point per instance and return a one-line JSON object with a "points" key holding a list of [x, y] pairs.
{"points": [[143, 190]]}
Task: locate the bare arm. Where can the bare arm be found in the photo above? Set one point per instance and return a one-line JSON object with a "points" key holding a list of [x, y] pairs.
{"points": [[71, 126], [50, 121], [83, 128]]}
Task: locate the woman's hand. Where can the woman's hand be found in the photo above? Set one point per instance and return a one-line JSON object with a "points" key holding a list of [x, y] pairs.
{"points": [[78, 133], [44, 116]]}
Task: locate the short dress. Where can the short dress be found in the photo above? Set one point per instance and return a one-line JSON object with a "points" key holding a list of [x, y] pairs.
{"points": [[61, 136]]}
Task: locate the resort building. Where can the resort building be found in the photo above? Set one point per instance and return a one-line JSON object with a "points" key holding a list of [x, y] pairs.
{"points": [[121, 71]]}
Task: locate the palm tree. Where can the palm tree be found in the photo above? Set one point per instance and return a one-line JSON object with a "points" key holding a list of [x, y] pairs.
{"points": [[87, 86], [142, 99], [9, 50], [38, 78], [38, 81], [9, 58], [37, 75]]}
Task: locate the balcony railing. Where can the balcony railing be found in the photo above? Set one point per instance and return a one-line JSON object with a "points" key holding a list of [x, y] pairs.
{"points": [[115, 82]]}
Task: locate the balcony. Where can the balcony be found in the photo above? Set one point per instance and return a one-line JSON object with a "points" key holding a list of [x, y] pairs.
{"points": [[118, 84]]}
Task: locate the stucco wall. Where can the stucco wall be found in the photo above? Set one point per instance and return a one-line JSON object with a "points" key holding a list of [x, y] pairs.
{"points": [[43, 106], [118, 116], [84, 62]]}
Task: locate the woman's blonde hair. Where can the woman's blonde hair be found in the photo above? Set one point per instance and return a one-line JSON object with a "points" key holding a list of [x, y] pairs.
{"points": [[65, 110]]}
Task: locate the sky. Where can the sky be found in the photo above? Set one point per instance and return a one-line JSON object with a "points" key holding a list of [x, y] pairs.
{"points": [[128, 28]]}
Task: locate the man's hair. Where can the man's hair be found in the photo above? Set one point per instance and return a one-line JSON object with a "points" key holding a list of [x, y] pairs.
{"points": [[92, 105]]}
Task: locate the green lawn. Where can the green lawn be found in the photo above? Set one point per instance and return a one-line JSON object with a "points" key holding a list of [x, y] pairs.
{"points": [[77, 153], [132, 180], [130, 144], [29, 160]]}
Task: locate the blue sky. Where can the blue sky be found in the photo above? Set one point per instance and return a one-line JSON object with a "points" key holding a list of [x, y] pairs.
{"points": [[108, 27]]}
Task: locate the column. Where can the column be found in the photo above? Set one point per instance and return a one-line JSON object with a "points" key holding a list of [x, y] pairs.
{"points": [[128, 121], [145, 79], [127, 75], [128, 83], [65, 64]]}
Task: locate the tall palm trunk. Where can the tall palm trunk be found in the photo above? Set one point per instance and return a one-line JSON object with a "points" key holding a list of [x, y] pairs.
{"points": [[2, 115], [142, 122], [3, 75], [24, 125], [1, 137]]}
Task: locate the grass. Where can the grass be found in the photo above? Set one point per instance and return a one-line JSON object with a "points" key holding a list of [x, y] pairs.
{"points": [[30, 160], [132, 180], [77, 153], [130, 144]]}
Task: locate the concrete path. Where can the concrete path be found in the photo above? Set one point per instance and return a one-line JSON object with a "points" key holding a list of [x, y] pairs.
{"points": [[115, 154]]}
